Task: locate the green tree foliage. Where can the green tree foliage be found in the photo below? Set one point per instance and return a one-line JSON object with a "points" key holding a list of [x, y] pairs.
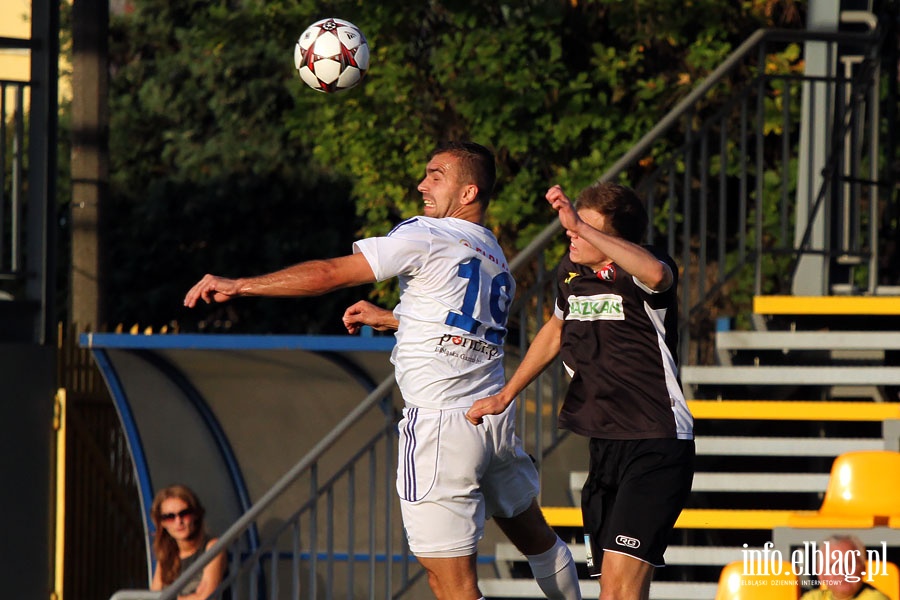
{"points": [[205, 176], [225, 162]]}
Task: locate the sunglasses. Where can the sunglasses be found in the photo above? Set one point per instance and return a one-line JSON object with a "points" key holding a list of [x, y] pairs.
{"points": [[187, 512]]}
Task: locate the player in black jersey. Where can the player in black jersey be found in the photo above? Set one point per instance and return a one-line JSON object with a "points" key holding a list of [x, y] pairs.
{"points": [[615, 325]]}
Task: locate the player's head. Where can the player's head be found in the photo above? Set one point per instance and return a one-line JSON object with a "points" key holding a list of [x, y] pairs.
{"points": [[476, 166], [619, 204]]}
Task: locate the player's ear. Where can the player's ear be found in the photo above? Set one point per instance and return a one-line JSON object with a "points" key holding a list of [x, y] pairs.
{"points": [[469, 194]]}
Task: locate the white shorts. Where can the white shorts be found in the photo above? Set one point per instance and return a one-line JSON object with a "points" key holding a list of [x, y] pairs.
{"points": [[452, 476]]}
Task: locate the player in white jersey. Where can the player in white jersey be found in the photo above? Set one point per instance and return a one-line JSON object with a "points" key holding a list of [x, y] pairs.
{"points": [[455, 292]]}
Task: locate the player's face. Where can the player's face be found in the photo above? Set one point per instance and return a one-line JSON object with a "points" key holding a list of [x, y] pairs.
{"points": [[583, 253], [441, 190]]}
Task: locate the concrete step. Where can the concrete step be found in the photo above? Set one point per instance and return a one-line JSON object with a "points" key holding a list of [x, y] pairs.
{"points": [[716, 556], [738, 482], [808, 340], [659, 590], [694, 375]]}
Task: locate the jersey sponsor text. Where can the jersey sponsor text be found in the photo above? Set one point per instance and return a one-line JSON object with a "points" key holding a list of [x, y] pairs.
{"points": [[607, 307]]}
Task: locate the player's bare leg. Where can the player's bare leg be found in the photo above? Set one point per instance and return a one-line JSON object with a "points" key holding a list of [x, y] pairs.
{"points": [[528, 530], [624, 577], [452, 578]]}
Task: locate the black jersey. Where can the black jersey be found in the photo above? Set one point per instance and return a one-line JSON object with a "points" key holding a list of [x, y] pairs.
{"points": [[619, 344]]}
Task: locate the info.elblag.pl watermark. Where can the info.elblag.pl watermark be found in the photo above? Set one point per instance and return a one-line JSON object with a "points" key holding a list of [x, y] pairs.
{"points": [[815, 563]]}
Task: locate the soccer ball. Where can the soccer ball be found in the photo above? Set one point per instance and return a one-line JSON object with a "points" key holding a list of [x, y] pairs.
{"points": [[331, 55]]}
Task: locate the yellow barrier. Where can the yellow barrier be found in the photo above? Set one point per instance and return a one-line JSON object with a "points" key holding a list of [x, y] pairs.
{"points": [[690, 518], [794, 410], [826, 305]]}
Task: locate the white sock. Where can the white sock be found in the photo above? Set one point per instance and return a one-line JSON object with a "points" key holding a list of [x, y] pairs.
{"points": [[555, 572]]}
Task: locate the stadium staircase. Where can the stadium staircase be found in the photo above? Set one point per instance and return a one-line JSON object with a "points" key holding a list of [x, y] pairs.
{"points": [[778, 390]]}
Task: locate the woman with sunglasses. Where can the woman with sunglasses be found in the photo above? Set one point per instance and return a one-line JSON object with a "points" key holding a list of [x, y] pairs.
{"points": [[181, 538]]}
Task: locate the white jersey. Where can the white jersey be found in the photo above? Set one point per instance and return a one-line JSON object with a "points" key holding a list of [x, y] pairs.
{"points": [[455, 294]]}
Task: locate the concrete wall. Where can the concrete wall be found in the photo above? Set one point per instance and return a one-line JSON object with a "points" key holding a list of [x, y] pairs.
{"points": [[27, 373]]}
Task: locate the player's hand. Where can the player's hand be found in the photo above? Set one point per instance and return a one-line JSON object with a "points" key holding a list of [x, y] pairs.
{"points": [[561, 204], [366, 313], [212, 289], [492, 405]]}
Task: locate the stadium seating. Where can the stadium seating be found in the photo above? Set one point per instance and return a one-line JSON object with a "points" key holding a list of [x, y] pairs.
{"points": [[888, 584], [734, 584], [863, 491]]}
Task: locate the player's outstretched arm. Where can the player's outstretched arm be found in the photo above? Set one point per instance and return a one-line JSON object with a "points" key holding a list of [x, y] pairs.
{"points": [[635, 259], [540, 353], [310, 278], [212, 289], [366, 313]]}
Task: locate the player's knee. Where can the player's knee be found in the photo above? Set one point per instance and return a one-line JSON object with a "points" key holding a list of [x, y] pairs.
{"points": [[618, 584], [551, 561]]}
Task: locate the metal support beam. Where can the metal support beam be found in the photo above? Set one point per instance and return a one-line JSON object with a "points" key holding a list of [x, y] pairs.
{"points": [[41, 214]]}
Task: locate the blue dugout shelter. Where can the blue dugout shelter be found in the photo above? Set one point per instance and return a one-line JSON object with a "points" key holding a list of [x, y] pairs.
{"points": [[228, 415]]}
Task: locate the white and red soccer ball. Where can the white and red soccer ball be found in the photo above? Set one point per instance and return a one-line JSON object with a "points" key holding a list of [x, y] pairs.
{"points": [[332, 55]]}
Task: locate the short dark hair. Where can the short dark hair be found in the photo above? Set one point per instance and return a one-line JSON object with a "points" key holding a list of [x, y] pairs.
{"points": [[476, 165], [623, 209]]}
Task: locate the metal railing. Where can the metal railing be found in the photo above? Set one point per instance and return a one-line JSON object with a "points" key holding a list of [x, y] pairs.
{"points": [[723, 196], [13, 163], [342, 540], [722, 201], [100, 540], [28, 159]]}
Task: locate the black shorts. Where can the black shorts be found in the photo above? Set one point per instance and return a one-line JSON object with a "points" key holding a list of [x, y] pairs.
{"points": [[633, 495]]}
